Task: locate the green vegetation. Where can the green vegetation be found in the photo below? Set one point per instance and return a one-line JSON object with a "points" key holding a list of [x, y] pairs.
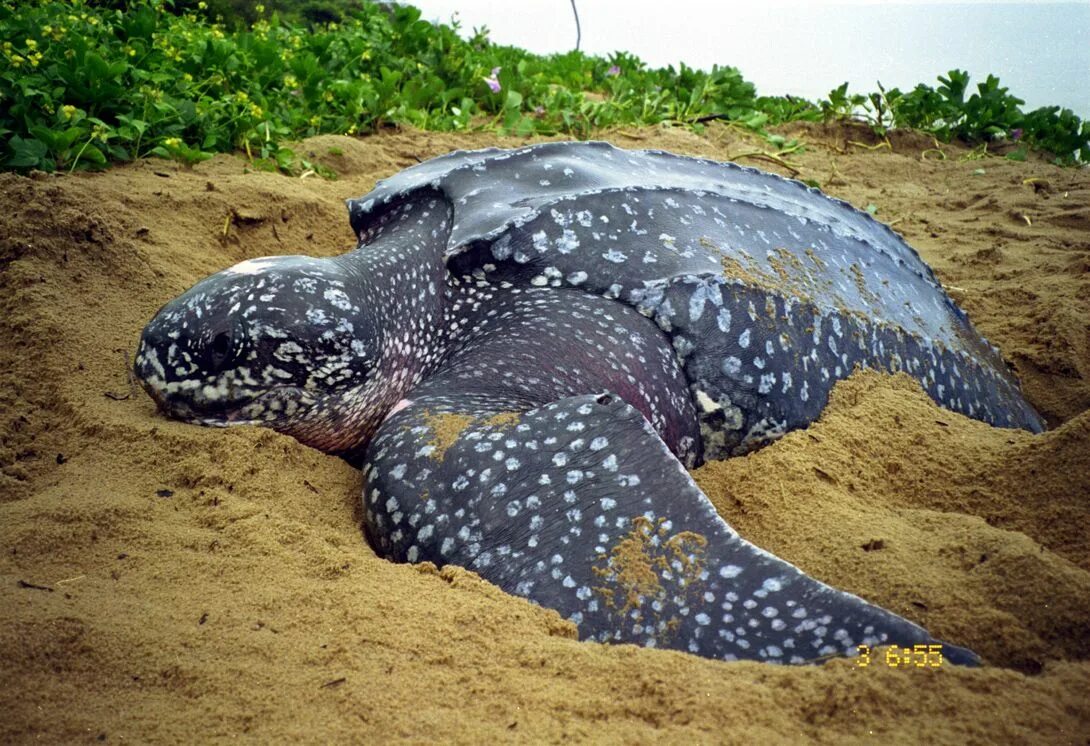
{"points": [[82, 85]]}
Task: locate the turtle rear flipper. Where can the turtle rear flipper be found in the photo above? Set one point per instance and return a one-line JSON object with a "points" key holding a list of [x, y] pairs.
{"points": [[579, 506]]}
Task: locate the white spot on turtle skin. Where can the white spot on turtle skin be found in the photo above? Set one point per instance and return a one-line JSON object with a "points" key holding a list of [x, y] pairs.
{"points": [[706, 403], [567, 243], [338, 299], [253, 266], [766, 383]]}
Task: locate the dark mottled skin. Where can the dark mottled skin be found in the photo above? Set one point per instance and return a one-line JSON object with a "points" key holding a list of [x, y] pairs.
{"points": [[527, 349]]}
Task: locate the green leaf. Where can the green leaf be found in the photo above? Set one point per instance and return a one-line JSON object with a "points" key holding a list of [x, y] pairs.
{"points": [[285, 158], [137, 124], [513, 100], [96, 67], [26, 153], [94, 155]]}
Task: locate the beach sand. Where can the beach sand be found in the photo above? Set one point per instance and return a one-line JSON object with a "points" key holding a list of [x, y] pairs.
{"points": [[162, 582]]}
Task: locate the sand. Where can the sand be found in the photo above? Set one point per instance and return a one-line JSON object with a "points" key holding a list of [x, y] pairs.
{"points": [[161, 582]]}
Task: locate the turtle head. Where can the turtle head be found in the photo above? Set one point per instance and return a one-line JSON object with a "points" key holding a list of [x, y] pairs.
{"points": [[278, 341]]}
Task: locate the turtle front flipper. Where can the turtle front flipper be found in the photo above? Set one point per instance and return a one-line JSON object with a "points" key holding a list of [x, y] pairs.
{"points": [[579, 506]]}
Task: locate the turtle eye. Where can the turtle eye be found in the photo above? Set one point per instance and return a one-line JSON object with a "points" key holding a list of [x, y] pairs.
{"points": [[219, 352]]}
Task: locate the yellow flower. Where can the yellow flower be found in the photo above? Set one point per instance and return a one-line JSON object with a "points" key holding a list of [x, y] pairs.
{"points": [[69, 111], [255, 110], [366, 54], [217, 34], [241, 97], [259, 9], [315, 120], [188, 78], [172, 142], [202, 5], [31, 44], [93, 21], [17, 60], [290, 81], [328, 96]]}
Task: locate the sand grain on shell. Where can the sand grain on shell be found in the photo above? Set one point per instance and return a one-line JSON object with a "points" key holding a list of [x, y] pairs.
{"points": [[168, 583]]}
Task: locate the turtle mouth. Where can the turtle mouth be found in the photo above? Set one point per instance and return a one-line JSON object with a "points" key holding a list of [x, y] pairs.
{"points": [[264, 408]]}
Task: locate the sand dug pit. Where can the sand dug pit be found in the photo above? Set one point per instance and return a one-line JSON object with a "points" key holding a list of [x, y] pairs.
{"points": [[161, 582]]}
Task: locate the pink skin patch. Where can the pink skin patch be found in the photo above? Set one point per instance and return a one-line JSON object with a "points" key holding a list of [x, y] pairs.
{"points": [[397, 408]]}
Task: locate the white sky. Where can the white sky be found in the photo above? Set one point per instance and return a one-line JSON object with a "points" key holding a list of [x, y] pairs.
{"points": [[1039, 50]]}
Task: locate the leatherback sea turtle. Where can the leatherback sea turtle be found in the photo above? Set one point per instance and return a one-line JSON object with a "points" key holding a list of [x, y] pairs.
{"points": [[527, 348]]}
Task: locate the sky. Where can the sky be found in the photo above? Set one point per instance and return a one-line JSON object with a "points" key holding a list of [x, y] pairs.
{"points": [[1039, 50]]}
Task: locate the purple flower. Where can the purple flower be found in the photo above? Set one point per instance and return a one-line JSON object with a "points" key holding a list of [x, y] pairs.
{"points": [[1016, 134], [613, 71], [493, 80]]}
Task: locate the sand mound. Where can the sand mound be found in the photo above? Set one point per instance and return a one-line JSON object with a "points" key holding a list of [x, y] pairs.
{"points": [[163, 582]]}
